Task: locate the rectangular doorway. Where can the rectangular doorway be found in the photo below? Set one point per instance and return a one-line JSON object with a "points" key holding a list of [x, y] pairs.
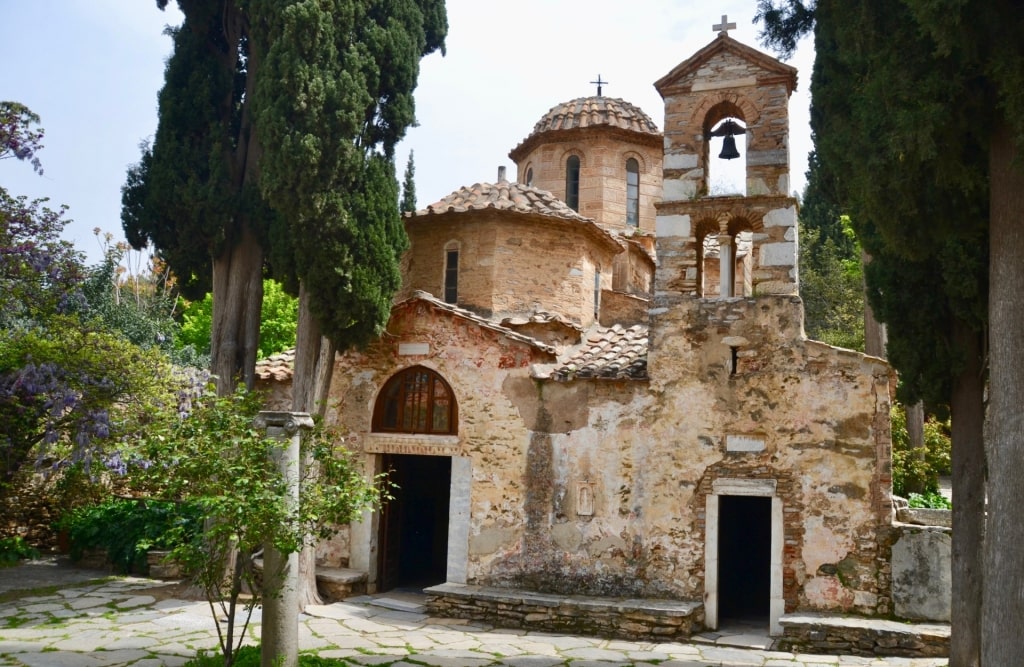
{"points": [[413, 534]]}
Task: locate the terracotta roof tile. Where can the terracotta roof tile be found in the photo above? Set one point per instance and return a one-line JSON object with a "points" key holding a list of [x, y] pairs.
{"points": [[483, 322], [615, 353], [277, 367], [592, 111], [502, 196]]}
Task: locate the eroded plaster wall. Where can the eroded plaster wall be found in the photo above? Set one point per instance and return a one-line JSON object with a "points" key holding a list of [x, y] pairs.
{"points": [[615, 498]]}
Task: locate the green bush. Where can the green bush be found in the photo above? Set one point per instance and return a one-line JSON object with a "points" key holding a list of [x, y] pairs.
{"points": [[931, 500], [128, 528], [14, 549], [909, 470]]}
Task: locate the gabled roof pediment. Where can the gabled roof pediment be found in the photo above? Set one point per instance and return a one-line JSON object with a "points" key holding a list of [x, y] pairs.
{"points": [[769, 67]]}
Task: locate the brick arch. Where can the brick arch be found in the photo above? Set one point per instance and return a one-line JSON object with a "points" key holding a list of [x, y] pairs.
{"points": [[639, 157], [734, 102], [567, 153], [740, 219]]}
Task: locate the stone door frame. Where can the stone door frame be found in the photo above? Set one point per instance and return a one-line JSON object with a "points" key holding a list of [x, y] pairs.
{"points": [[364, 541], [742, 487]]}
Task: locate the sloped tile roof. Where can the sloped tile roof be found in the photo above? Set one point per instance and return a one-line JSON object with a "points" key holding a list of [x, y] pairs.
{"points": [[607, 353], [277, 367], [516, 198], [483, 322], [611, 353], [540, 317], [502, 196]]}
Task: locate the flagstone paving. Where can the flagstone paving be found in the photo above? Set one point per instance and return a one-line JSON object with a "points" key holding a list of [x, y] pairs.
{"points": [[114, 623]]}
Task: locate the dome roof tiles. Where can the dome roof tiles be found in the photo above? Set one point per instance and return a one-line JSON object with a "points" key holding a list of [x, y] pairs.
{"points": [[594, 111]]}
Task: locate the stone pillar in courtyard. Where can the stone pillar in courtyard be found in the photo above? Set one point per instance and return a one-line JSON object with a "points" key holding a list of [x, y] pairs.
{"points": [[280, 634]]}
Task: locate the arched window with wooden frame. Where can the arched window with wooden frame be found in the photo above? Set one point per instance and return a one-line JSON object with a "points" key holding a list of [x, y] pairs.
{"points": [[416, 400]]}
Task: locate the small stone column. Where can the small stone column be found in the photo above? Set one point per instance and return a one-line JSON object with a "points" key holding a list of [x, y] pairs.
{"points": [[280, 640], [726, 266]]}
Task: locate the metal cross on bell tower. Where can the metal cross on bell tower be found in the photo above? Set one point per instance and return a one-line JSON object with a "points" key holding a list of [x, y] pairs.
{"points": [[724, 27], [599, 83]]}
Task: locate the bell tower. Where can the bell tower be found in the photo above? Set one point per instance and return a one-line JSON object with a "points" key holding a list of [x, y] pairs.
{"points": [[731, 90]]}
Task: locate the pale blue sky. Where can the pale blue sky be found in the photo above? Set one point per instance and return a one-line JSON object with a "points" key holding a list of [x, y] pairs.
{"points": [[92, 69]]}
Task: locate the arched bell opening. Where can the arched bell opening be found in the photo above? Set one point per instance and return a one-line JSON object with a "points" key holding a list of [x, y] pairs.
{"points": [[725, 145]]}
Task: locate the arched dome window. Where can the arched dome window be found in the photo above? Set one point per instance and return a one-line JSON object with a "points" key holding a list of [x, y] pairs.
{"points": [[632, 192], [416, 400], [572, 182], [529, 175]]}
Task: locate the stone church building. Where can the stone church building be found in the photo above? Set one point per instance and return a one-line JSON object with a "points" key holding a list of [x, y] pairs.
{"points": [[595, 379]]}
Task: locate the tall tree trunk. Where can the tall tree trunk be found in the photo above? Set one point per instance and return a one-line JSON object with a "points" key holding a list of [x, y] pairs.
{"points": [[1003, 606], [875, 338], [968, 419], [915, 438], [237, 300], [311, 380]]}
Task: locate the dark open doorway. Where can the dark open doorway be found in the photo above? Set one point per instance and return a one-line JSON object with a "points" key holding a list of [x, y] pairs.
{"points": [[744, 558], [414, 525]]}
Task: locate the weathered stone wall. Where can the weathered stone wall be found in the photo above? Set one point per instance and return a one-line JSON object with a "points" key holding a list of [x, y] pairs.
{"points": [[684, 225], [821, 416], [603, 153], [633, 270], [510, 264], [600, 487], [486, 371], [624, 309]]}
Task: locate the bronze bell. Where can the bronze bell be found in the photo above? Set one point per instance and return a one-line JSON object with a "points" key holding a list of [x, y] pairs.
{"points": [[729, 151], [729, 129]]}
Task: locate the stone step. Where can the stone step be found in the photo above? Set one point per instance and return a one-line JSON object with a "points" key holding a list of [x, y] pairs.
{"points": [[627, 618], [851, 635]]}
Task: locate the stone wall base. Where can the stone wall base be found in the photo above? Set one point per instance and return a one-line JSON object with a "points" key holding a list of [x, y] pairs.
{"points": [[656, 620], [845, 635]]}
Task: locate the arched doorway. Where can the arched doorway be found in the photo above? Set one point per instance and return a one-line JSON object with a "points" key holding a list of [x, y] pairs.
{"points": [[413, 529]]}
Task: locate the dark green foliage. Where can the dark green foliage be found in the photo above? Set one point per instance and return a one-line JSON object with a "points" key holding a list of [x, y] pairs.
{"points": [[281, 118], [909, 170], [140, 307], [127, 529], [180, 197], [408, 204], [15, 549], [784, 25]]}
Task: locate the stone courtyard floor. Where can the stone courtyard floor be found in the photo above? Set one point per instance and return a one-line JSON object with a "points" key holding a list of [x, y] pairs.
{"points": [[53, 616]]}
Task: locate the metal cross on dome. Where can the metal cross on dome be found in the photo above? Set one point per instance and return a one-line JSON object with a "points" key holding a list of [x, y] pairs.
{"points": [[599, 83], [724, 27]]}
